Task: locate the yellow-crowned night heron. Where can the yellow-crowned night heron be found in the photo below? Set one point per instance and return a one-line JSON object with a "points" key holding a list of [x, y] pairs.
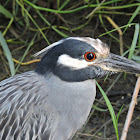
{"points": [[54, 101]]}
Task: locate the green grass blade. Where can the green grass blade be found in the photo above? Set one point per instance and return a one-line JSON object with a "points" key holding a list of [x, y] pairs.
{"points": [[58, 31], [69, 11], [136, 58], [5, 12], [128, 25], [133, 16], [111, 110], [139, 42], [8, 54], [101, 20], [25, 53], [99, 109], [8, 26], [119, 113], [33, 21], [134, 42], [64, 4]]}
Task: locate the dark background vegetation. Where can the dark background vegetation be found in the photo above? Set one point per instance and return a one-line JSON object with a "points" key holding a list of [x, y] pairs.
{"points": [[28, 29]]}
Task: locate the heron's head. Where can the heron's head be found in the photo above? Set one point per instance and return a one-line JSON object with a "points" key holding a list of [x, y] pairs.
{"points": [[76, 59]]}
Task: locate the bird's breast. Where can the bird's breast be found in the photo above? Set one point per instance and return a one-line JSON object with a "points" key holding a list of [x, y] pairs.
{"points": [[73, 101]]}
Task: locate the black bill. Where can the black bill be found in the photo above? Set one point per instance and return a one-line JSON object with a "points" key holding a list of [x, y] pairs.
{"points": [[118, 63]]}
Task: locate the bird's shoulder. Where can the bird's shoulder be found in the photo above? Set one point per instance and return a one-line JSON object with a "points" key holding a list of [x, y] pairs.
{"points": [[22, 89], [24, 109]]}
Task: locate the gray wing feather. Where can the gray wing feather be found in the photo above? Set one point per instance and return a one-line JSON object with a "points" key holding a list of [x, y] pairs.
{"points": [[25, 112]]}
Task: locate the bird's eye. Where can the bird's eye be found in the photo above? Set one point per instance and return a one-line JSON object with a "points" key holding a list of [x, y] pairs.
{"points": [[90, 56]]}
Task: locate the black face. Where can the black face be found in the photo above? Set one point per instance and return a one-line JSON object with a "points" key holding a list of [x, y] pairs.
{"points": [[75, 49]]}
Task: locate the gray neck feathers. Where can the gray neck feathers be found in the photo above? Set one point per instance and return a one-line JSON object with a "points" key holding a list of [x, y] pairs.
{"points": [[73, 100]]}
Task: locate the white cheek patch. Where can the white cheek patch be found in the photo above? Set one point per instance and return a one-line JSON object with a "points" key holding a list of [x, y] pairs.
{"points": [[72, 63]]}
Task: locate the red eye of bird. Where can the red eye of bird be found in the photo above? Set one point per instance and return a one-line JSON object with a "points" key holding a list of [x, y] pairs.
{"points": [[90, 56]]}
